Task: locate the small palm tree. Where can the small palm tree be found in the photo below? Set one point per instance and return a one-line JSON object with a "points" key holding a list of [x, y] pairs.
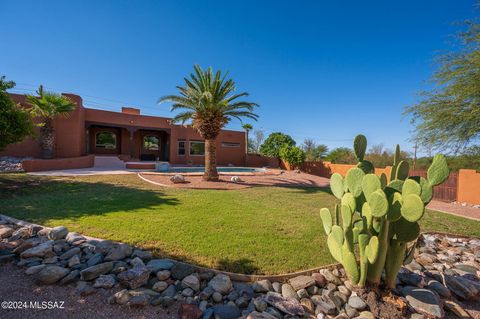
{"points": [[47, 106], [247, 127], [209, 102]]}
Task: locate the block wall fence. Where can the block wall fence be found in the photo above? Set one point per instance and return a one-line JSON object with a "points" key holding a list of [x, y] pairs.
{"points": [[468, 180]]}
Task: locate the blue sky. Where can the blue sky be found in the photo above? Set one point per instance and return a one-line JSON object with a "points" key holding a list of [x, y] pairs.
{"points": [[326, 70]]}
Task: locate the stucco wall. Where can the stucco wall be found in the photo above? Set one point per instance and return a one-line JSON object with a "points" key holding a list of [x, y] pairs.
{"points": [[71, 135], [38, 165], [468, 186]]}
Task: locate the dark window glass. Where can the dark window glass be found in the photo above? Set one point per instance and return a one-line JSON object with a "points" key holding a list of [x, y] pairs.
{"points": [[181, 147], [197, 148]]}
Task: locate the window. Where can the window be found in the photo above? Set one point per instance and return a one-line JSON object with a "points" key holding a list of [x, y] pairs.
{"points": [[181, 147], [228, 144], [151, 143], [197, 148], [106, 140]]}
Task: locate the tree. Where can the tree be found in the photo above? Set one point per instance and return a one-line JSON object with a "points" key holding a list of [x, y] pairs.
{"points": [[341, 155], [256, 141], [314, 152], [273, 143], [46, 107], [448, 116], [293, 155], [207, 99], [247, 127], [15, 122]]}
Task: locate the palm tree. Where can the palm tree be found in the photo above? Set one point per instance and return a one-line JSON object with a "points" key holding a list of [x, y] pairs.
{"points": [[46, 107], [207, 99], [247, 127]]}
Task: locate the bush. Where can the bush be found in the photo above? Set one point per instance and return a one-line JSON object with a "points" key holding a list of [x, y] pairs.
{"points": [[274, 142], [293, 155], [15, 123]]}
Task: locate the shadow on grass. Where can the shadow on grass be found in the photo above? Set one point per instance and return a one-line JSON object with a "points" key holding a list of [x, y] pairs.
{"points": [[242, 265], [41, 199]]}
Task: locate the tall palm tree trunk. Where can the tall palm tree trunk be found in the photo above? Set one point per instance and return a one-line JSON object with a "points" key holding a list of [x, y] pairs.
{"points": [[48, 139], [211, 173]]}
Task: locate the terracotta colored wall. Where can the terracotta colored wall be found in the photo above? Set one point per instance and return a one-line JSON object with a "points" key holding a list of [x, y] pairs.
{"points": [[70, 134], [255, 160], [37, 165], [468, 186], [326, 169]]}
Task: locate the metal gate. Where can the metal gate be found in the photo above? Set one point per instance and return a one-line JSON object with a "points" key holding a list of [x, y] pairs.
{"points": [[447, 191]]}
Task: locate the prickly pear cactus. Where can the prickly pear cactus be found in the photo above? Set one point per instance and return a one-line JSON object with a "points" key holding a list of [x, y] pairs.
{"points": [[379, 215]]}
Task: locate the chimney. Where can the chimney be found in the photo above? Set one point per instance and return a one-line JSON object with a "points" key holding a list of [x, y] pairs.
{"points": [[130, 110]]}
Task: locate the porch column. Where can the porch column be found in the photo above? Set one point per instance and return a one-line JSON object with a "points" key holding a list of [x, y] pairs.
{"points": [[131, 131]]}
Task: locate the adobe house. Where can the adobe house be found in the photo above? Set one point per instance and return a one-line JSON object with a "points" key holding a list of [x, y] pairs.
{"points": [[130, 136]]}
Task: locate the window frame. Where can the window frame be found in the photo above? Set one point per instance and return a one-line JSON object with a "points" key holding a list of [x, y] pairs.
{"points": [[103, 147], [190, 148], [184, 147]]}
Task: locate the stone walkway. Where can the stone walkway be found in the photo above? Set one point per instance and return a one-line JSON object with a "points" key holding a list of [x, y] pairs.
{"points": [[455, 209]]}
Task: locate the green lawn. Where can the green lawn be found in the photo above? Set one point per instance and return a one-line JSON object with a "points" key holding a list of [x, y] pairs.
{"points": [[263, 230]]}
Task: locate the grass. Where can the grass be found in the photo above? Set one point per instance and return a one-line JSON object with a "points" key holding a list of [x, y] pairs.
{"points": [[262, 230]]}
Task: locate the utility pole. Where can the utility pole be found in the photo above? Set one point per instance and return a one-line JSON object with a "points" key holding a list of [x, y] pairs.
{"points": [[415, 155]]}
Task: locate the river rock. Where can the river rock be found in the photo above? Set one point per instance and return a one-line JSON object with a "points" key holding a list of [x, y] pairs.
{"points": [[262, 286], [51, 274], [221, 283], [301, 282], [424, 301], [56, 233], [93, 272], [289, 306], [191, 281], [135, 277], [105, 281], [155, 265], [38, 251], [226, 312], [289, 293], [118, 252], [6, 231]]}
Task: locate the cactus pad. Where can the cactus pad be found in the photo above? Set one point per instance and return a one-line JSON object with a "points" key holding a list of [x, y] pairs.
{"points": [[405, 231], [370, 183], [326, 220], [427, 191], [367, 214], [383, 180], [334, 247], [360, 146], [378, 203], [346, 217], [395, 207], [412, 207], [336, 185], [350, 201], [371, 251], [349, 262], [354, 181], [411, 187], [396, 185], [402, 170], [396, 155], [366, 166], [438, 172]]}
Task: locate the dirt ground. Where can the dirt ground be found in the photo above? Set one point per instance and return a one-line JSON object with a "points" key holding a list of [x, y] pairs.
{"points": [[287, 179], [16, 286]]}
